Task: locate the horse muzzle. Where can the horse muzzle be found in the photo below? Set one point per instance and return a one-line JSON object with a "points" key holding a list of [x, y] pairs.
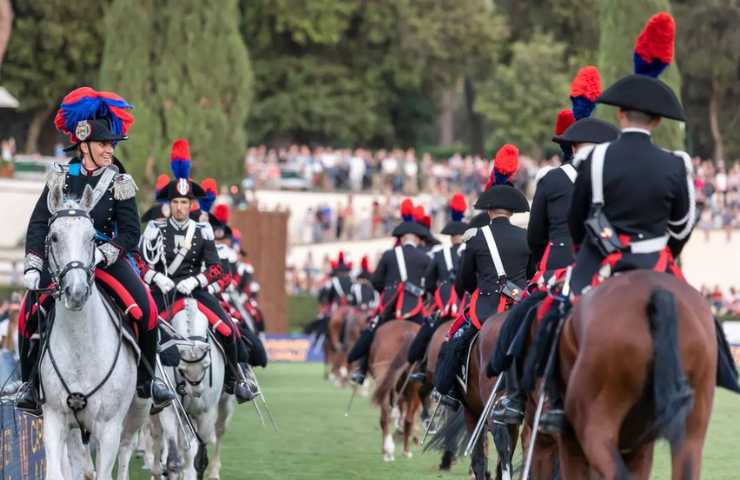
{"points": [[75, 296]]}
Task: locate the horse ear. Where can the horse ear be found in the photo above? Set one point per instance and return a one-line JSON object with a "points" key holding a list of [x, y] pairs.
{"points": [[87, 198], [55, 198]]}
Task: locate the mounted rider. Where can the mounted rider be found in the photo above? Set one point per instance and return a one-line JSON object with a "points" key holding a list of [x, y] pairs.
{"points": [[399, 279], [340, 282], [181, 256], [494, 269], [364, 296], [633, 202], [94, 122], [439, 283], [547, 233]]}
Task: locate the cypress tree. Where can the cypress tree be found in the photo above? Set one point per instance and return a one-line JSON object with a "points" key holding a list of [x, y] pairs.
{"points": [[129, 51], [184, 66], [621, 23]]}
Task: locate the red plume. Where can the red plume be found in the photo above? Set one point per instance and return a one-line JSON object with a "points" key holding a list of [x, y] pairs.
{"points": [[364, 264], [587, 83], [209, 185], [407, 209], [161, 182], [426, 220], [505, 165], [565, 119], [657, 39], [221, 212], [419, 213], [458, 203], [340, 257]]}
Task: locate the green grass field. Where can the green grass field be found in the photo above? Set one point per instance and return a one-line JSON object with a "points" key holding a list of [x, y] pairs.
{"points": [[317, 442]]}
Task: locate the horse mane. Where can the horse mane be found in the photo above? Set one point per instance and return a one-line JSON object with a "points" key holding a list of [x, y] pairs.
{"points": [[388, 383]]}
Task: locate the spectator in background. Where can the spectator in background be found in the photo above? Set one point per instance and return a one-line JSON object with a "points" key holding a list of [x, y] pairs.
{"points": [[357, 169], [411, 173]]}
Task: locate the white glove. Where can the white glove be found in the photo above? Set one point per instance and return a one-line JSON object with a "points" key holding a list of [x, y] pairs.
{"points": [[99, 257], [31, 279], [163, 282], [187, 285]]}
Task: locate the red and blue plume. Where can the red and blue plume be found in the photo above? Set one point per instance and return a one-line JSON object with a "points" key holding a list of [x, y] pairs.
{"points": [[85, 103], [458, 205], [565, 119], [210, 187], [584, 90], [221, 212], [364, 264], [654, 46], [505, 165], [180, 159], [407, 210]]}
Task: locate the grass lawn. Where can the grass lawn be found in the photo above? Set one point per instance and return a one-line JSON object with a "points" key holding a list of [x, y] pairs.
{"points": [[317, 442]]}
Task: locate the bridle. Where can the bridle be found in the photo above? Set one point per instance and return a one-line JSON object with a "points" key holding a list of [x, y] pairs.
{"points": [[58, 275], [206, 352]]}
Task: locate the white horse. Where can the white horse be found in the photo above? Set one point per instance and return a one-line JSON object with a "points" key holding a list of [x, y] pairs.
{"points": [[86, 364], [200, 378]]}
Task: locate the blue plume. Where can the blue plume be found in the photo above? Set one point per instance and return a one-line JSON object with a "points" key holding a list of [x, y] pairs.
{"points": [[207, 202], [180, 168], [652, 69], [582, 107]]}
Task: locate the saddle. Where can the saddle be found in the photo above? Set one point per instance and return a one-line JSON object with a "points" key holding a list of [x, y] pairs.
{"points": [[213, 319]]}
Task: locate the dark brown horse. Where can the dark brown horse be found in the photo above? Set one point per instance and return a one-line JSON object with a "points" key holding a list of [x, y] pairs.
{"points": [[389, 366], [478, 389], [638, 357]]}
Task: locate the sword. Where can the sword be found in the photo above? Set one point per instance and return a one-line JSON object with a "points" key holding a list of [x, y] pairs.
{"points": [[351, 399], [259, 413], [261, 395], [431, 422], [400, 391], [483, 416], [180, 412], [541, 395]]}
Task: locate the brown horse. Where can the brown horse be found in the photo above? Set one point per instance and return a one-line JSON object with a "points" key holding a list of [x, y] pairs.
{"points": [[638, 357], [478, 389], [335, 346], [388, 365]]}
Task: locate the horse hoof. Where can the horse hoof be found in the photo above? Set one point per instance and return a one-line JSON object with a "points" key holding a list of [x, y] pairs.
{"points": [[408, 454], [388, 457]]}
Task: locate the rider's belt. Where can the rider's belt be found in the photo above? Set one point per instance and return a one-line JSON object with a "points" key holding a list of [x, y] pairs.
{"points": [[413, 289], [651, 245]]}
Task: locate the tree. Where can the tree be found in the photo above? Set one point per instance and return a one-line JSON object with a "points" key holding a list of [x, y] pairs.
{"points": [[711, 26], [357, 72], [521, 100], [621, 23], [186, 70], [48, 57]]}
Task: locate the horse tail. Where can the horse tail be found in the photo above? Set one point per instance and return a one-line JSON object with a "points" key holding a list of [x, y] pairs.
{"points": [[389, 381], [452, 436], [672, 393]]}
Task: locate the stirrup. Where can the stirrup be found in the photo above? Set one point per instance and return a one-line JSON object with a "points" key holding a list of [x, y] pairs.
{"points": [[552, 421], [419, 377], [26, 401], [357, 377], [509, 411], [450, 402]]}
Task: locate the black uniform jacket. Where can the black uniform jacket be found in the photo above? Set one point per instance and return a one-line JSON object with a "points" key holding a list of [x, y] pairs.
{"points": [[548, 220], [387, 276], [477, 270], [115, 216], [644, 188], [341, 288], [202, 251]]}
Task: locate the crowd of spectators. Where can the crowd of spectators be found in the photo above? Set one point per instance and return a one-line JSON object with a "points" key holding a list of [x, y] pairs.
{"points": [[9, 309], [391, 174], [717, 196], [723, 303]]}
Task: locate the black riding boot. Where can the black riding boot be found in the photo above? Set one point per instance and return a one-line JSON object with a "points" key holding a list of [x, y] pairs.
{"points": [[510, 409], [358, 376], [146, 385], [234, 384], [27, 398]]}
